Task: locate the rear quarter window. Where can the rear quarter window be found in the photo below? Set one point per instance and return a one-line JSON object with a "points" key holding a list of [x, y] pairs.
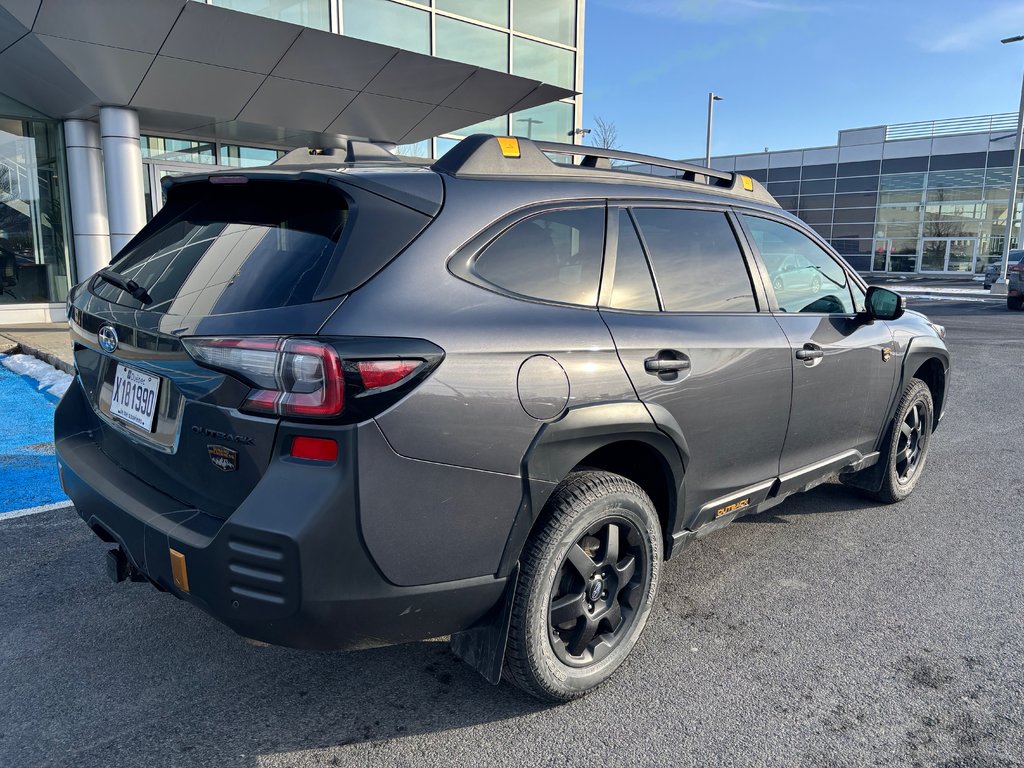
{"points": [[234, 248], [551, 256]]}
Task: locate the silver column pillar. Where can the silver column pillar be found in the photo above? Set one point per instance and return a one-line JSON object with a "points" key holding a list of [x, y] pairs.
{"points": [[88, 197], [122, 169]]}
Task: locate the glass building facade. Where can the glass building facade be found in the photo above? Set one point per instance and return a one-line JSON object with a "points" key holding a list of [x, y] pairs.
{"points": [[536, 39], [42, 171], [927, 197], [34, 253]]}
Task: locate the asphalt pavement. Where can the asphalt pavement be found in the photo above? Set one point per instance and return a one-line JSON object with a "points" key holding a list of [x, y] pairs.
{"points": [[829, 631]]}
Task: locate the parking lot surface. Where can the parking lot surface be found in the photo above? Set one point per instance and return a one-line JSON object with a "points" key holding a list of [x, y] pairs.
{"points": [[827, 632]]}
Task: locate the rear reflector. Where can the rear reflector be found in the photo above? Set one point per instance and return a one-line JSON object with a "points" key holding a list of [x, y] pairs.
{"points": [[314, 449], [376, 374], [178, 570]]}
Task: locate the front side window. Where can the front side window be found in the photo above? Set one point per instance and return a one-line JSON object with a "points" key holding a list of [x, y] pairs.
{"points": [[804, 276], [696, 260], [554, 256]]}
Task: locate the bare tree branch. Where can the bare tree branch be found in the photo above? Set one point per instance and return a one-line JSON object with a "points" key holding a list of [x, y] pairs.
{"points": [[604, 134]]}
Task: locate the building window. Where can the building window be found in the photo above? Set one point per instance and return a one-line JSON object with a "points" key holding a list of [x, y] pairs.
{"points": [[177, 150], [247, 157], [492, 11], [472, 44], [496, 126], [419, 149], [33, 249], [443, 145], [537, 61], [308, 13], [548, 122], [551, 19], [381, 21]]}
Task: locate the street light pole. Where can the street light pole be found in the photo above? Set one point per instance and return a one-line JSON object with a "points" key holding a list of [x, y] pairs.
{"points": [[712, 98], [1000, 286]]}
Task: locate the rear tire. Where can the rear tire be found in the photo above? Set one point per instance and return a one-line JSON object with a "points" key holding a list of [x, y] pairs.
{"points": [[594, 563], [1016, 303], [909, 438]]}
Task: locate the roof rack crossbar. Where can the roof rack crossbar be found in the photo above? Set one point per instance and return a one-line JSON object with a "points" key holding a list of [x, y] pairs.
{"points": [[592, 154]]}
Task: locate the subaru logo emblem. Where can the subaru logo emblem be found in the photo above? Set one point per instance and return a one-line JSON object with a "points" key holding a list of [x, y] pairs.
{"points": [[108, 338]]}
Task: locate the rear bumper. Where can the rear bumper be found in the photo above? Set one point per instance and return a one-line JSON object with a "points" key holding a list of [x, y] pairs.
{"points": [[288, 567]]}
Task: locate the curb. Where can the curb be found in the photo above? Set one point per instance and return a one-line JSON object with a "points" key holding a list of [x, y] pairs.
{"points": [[15, 347]]}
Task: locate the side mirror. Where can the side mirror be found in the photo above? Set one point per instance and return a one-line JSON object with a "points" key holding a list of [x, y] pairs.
{"points": [[883, 304]]}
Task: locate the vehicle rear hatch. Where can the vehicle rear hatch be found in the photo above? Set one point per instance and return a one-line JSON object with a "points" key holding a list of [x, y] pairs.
{"points": [[263, 253]]}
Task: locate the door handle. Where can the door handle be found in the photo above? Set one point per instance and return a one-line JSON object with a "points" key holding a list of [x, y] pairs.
{"points": [[809, 352], [655, 365], [659, 365]]}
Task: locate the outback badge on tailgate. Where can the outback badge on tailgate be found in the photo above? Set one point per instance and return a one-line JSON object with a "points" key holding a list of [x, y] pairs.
{"points": [[223, 458]]}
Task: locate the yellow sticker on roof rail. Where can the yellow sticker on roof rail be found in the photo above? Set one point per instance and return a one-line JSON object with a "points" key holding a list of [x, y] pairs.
{"points": [[748, 183], [509, 146]]}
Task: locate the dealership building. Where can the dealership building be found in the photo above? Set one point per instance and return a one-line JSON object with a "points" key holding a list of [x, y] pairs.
{"points": [[928, 197], [100, 100]]}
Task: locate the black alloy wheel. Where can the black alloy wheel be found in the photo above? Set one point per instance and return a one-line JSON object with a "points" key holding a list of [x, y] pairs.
{"points": [[596, 593], [588, 577], [908, 439], [911, 443]]}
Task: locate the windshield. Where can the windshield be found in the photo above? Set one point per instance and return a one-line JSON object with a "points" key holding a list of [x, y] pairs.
{"points": [[233, 248]]}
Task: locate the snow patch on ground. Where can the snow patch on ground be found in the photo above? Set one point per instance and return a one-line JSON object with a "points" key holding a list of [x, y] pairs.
{"points": [[50, 379], [938, 289]]}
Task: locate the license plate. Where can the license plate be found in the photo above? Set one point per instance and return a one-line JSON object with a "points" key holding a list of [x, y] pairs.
{"points": [[134, 396]]}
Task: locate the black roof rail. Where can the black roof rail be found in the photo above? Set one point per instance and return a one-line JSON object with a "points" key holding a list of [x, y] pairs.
{"points": [[485, 156], [592, 155]]}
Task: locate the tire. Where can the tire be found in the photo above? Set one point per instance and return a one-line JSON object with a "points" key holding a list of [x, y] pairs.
{"points": [[558, 663], [1015, 303], [907, 448]]}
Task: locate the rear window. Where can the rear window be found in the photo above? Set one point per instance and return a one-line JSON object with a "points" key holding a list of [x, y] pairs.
{"points": [[234, 248], [696, 260]]}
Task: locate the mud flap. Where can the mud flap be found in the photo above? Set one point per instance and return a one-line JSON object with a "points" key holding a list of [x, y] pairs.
{"points": [[482, 646]]}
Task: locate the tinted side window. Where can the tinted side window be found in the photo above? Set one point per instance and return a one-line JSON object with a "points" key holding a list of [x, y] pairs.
{"points": [[805, 277], [696, 260], [633, 287], [553, 256]]}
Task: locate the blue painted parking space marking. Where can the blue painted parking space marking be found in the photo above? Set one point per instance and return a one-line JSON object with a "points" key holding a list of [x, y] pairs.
{"points": [[28, 468]]}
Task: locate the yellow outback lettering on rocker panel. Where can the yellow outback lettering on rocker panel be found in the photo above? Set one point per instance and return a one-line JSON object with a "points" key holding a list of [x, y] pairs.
{"points": [[732, 507]]}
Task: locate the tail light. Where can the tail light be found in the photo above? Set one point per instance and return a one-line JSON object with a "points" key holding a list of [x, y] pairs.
{"points": [[1018, 267], [298, 377]]}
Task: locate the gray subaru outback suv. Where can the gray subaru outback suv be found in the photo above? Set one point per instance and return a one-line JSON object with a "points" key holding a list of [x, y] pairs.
{"points": [[347, 401]]}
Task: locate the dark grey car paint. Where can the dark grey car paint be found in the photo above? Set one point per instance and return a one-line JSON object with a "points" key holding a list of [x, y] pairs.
{"points": [[853, 363], [452, 477]]}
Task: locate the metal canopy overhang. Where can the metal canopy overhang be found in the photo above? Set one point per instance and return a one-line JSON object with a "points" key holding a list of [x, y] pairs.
{"points": [[200, 70]]}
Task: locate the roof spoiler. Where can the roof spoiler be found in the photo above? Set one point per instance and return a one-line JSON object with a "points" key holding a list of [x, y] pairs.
{"points": [[485, 155]]}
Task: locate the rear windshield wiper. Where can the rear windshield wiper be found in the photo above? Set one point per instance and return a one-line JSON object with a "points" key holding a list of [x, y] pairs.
{"points": [[128, 286]]}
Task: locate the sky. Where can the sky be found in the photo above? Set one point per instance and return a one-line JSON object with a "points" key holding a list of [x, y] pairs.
{"points": [[792, 72]]}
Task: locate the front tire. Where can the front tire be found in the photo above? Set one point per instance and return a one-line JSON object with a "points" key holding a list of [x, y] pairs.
{"points": [[909, 438], [588, 581]]}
